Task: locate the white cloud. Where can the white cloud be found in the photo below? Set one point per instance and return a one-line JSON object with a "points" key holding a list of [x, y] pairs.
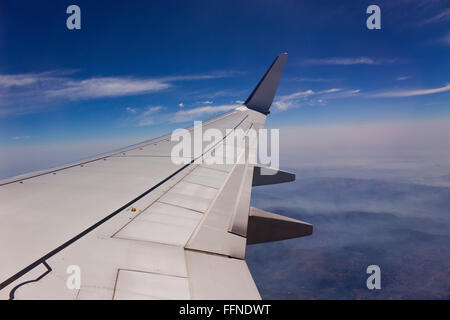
{"points": [[401, 78], [441, 17], [20, 137], [306, 79], [412, 92], [106, 87], [207, 102], [197, 113], [34, 92], [28, 79], [151, 110], [349, 61], [146, 122], [181, 104], [445, 39], [146, 118], [130, 110], [332, 90], [310, 97], [283, 105], [152, 115], [298, 94], [18, 80], [223, 93], [213, 75]]}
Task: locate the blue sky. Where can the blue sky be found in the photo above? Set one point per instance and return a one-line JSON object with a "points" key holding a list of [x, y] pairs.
{"points": [[138, 69], [364, 117]]}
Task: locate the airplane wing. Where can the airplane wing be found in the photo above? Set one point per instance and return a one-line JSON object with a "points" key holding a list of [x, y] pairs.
{"points": [[134, 224]]}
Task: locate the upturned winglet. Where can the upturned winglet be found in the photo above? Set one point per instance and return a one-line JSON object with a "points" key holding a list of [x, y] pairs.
{"points": [[262, 96]]}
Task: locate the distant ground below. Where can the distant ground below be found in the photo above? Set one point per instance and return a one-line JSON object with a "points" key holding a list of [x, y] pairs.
{"points": [[402, 227]]}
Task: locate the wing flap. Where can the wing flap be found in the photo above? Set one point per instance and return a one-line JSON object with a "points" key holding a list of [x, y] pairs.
{"points": [[265, 226], [265, 175], [218, 277]]}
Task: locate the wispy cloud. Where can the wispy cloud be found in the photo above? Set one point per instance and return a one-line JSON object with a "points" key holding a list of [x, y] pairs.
{"points": [[332, 90], [106, 87], [197, 113], [7, 81], [349, 61], [20, 137], [311, 97], [209, 76], [131, 110], [27, 79], [152, 115], [306, 79], [222, 93], [445, 39], [147, 118], [401, 78], [32, 92], [411, 92], [440, 17]]}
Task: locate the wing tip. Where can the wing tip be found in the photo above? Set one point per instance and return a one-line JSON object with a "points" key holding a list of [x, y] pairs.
{"points": [[262, 96]]}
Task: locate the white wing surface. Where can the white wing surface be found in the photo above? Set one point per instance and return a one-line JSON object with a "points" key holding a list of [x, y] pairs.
{"points": [[135, 225]]}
